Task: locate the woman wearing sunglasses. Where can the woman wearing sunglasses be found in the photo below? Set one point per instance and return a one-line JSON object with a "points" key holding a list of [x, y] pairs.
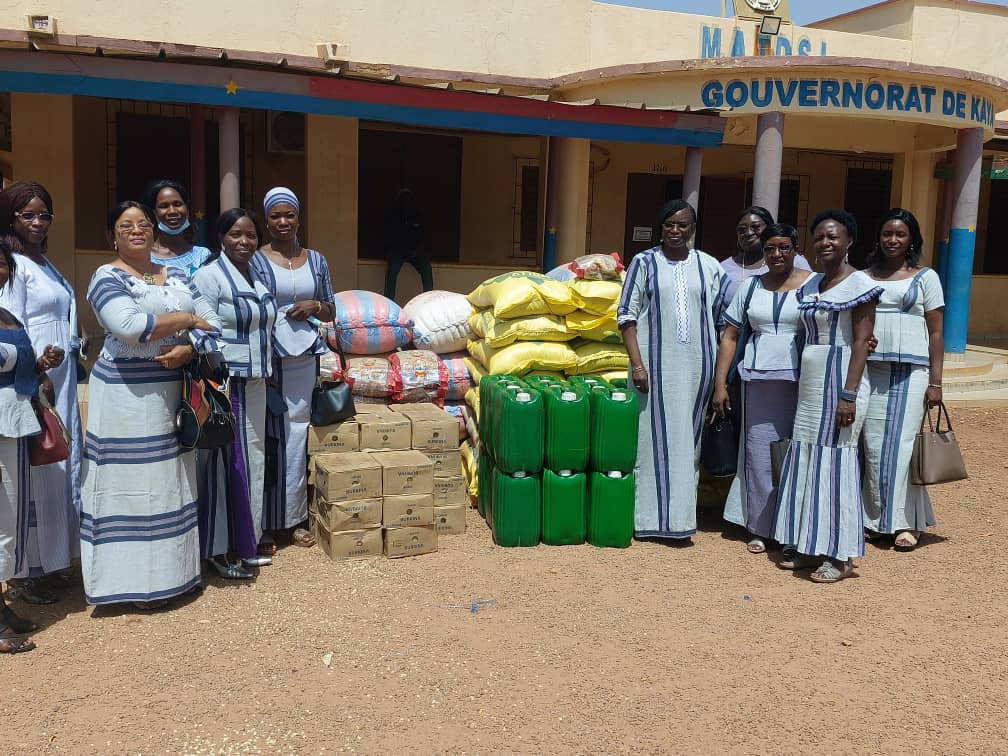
{"points": [[43, 300]]}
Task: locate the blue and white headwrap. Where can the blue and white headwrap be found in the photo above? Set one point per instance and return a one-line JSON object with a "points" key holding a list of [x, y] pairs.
{"points": [[279, 194]]}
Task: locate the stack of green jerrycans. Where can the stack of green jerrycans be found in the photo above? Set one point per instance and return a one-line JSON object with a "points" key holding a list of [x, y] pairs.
{"points": [[511, 458], [613, 453]]}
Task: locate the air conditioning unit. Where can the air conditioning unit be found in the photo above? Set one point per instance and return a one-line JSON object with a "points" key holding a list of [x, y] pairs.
{"points": [[285, 132]]}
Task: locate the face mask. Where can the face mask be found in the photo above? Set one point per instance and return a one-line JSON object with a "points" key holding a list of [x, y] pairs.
{"points": [[172, 231]]}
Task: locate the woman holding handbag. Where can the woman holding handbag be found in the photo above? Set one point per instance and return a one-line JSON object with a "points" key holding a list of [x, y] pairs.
{"points": [[19, 382], [299, 280], [232, 479], [40, 297], [764, 312], [139, 514], [904, 378]]}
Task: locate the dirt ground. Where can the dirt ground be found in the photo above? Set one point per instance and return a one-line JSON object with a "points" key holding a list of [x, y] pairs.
{"points": [[652, 649]]}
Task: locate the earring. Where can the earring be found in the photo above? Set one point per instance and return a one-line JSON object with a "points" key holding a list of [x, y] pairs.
{"points": [[115, 246]]}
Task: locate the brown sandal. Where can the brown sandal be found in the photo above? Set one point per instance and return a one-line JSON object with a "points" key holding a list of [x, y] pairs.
{"points": [[12, 642], [302, 537]]}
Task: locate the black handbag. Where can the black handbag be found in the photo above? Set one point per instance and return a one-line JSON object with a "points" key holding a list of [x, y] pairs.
{"points": [[332, 400], [719, 446], [204, 419]]}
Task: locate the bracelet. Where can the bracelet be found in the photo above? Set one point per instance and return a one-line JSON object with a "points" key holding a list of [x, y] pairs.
{"points": [[934, 385], [318, 307], [638, 368], [848, 396]]}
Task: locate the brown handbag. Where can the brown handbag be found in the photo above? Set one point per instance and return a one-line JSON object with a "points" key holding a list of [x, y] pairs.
{"points": [[936, 457], [53, 443]]}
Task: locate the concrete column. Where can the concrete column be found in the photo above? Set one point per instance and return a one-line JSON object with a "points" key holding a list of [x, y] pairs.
{"points": [[923, 200], [692, 171], [962, 237], [769, 156], [552, 203], [570, 192], [197, 173], [945, 225], [331, 160], [230, 159]]}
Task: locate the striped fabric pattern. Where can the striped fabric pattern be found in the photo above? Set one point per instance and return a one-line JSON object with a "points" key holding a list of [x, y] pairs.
{"points": [[14, 506], [286, 503], [681, 379]]}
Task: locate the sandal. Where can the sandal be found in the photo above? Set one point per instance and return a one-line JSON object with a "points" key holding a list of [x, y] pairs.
{"points": [[230, 570], [793, 560], [828, 572], [906, 540], [17, 624], [150, 606], [302, 537], [756, 546], [12, 643], [31, 591], [871, 536], [267, 547]]}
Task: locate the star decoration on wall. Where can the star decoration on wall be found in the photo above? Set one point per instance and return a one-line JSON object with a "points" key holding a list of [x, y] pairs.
{"points": [[200, 215], [231, 87]]}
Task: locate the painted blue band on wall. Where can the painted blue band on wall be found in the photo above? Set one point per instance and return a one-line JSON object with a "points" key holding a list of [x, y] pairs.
{"points": [[163, 91], [959, 276]]}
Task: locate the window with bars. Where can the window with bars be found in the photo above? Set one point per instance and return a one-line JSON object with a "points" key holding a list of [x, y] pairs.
{"points": [[525, 236]]}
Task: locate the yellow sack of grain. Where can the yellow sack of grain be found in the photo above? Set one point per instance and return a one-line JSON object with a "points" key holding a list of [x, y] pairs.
{"points": [[598, 297], [523, 357], [472, 399], [499, 333], [476, 370], [609, 375], [470, 468], [522, 293], [593, 357], [595, 327]]}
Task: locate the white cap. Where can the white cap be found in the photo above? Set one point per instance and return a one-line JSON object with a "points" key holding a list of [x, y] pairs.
{"points": [[619, 396], [615, 474], [568, 396], [523, 396]]}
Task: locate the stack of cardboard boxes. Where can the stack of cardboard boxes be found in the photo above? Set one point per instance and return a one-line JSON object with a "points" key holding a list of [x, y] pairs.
{"points": [[386, 480]]}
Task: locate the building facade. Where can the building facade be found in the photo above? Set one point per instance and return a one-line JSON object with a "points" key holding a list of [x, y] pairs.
{"points": [[530, 131]]}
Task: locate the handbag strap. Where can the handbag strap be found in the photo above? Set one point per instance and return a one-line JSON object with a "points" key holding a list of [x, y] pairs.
{"points": [[338, 349], [934, 423]]}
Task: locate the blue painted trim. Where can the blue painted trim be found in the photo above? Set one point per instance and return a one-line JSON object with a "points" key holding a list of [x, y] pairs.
{"points": [[163, 91], [549, 251], [959, 275]]}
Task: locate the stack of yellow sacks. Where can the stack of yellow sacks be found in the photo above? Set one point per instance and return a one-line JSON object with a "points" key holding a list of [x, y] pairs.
{"points": [[599, 344]]}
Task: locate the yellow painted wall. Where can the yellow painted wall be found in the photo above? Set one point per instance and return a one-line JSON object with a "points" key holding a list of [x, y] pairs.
{"points": [[331, 223], [987, 317], [893, 20]]}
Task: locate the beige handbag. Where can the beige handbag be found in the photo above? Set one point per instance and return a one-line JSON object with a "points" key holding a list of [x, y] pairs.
{"points": [[936, 456]]}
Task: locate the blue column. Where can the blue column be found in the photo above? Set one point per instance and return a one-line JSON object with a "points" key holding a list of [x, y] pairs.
{"points": [[945, 225], [962, 237]]}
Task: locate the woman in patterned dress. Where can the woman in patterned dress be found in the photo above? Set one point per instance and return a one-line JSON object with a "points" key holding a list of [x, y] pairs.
{"points": [[765, 313], [668, 313], [904, 377], [819, 514], [43, 300], [139, 530], [299, 280]]}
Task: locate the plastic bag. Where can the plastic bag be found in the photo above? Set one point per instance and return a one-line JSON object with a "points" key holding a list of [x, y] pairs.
{"points": [[368, 323], [417, 375], [440, 320], [597, 266], [459, 380], [369, 376]]}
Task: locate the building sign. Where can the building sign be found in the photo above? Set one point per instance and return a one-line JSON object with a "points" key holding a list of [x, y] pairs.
{"points": [[716, 42], [912, 101]]}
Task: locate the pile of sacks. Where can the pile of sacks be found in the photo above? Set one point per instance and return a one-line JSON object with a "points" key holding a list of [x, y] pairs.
{"points": [[375, 334], [562, 324]]}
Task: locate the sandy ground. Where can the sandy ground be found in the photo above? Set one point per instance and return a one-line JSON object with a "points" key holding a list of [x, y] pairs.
{"points": [[651, 649]]}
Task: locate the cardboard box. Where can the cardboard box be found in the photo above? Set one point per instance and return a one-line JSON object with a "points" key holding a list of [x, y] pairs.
{"points": [[405, 472], [411, 509], [347, 477], [450, 520], [389, 432], [350, 544], [447, 463], [337, 516], [412, 541], [432, 427], [450, 491], [378, 408], [341, 437]]}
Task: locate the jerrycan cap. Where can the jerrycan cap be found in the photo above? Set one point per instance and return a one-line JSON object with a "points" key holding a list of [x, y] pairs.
{"points": [[619, 396], [513, 386], [565, 473], [568, 396], [615, 474], [520, 474], [523, 396]]}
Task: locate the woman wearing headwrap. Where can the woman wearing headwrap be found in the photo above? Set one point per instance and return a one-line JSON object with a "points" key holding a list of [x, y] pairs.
{"points": [[299, 280], [668, 314], [43, 300], [173, 246]]}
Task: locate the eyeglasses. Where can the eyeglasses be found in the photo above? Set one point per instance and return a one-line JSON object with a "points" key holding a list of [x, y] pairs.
{"points": [[128, 226], [28, 216], [675, 226]]}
